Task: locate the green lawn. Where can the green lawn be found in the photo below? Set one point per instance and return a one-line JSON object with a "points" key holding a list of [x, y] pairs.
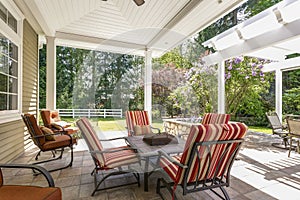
{"points": [[260, 129], [119, 124]]}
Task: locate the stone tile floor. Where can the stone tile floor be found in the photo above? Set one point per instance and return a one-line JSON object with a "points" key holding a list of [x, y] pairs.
{"points": [[261, 171]]}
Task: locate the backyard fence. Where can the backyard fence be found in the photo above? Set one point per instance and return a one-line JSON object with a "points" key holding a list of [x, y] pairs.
{"points": [[90, 113]]}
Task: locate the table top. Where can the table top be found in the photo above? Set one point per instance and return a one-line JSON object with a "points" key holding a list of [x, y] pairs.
{"points": [[148, 150]]}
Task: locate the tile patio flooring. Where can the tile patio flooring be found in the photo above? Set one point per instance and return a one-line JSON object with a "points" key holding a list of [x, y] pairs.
{"points": [[260, 172]]}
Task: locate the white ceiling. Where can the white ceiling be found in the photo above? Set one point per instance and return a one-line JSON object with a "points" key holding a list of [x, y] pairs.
{"points": [[121, 25]]}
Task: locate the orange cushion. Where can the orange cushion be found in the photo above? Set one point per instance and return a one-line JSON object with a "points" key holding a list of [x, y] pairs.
{"points": [[54, 116], [13, 192], [36, 129], [1, 178], [60, 141]]}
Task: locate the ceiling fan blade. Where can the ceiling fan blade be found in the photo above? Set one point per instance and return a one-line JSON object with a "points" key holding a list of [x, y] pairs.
{"points": [[139, 2]]}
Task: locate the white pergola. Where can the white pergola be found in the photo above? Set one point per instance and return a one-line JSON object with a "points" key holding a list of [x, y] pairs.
{"points": [[272, 34], [119, 26]]}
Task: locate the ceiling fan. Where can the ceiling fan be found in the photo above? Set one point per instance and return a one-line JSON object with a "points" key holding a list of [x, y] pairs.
{"points": [[137, 2]]}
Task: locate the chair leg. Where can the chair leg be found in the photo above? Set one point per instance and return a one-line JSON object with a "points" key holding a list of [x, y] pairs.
{"points": [[37, 155], [97, 185], [167, 185], [290, 147], [53, 159], [225, 193]]}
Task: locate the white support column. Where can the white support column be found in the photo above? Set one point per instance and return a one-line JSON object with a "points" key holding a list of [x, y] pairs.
{"points": [[221, 87], [278, 93], [51, 74], [148, 84]]}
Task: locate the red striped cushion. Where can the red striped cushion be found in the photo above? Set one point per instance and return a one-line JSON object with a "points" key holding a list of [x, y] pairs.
{"points": [[210, 132], [134, 118], [91, 139], [120, 158], [215, 118], [104, 160], [169, 167]]}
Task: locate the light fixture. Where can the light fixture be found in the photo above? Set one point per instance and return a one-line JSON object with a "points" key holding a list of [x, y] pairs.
{"points": [[139, 2]]}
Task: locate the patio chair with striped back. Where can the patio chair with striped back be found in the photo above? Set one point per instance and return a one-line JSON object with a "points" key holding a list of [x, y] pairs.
{"points": [[138, 123], [119, 158], [215, 118], [206, 161]]}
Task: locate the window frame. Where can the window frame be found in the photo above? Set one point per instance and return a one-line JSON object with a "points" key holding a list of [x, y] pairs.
{"points": [[17, 39]]}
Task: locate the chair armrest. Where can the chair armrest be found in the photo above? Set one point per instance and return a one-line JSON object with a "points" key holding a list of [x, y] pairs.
{"points": [[42, 170], [38, 136], [155, 129], [183, 134], [111, 139], [164, 154], [113, 150]]}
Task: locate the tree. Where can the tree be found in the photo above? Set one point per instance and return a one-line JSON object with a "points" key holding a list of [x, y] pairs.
{"points": [[245, 83], [203, 80]]}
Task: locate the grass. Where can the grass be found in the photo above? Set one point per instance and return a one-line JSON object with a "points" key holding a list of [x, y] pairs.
{"points": [[260, 129], [119, 124]]}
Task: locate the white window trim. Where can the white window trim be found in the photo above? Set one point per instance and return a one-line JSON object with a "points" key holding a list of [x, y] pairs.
{"points": [[17, 39]]}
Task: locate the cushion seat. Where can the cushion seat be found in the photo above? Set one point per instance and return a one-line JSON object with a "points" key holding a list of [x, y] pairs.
{"points": [[120, 158], [13, 192], [60, 141]]}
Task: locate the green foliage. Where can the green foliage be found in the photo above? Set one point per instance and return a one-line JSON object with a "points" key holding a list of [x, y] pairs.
{"points": [[203, 81], [291, 99], [42, 77], [254, 7], [245, 83]]}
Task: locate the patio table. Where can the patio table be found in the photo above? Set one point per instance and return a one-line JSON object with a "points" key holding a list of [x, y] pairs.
{"points": [[150, 153]]}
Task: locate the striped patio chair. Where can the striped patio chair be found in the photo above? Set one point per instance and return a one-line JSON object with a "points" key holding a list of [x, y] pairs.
{"points": [[138, 123], [206, 160], [106, 159], [215, 118]]}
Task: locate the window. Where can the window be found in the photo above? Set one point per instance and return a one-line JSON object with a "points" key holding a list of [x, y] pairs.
{"points": [[8, 18], [10, 76]]}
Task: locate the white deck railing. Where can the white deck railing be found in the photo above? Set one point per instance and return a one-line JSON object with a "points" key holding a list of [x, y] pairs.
{"points": [[90, 113]]}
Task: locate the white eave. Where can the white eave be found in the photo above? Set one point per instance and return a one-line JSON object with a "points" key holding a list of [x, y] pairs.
{"points": [[121, 25]]}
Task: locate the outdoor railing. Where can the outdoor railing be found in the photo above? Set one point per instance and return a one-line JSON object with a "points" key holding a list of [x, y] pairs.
{"points": [[90, 113]]}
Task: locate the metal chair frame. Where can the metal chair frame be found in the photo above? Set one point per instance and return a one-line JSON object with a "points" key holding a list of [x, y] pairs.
{"points": [[278, 129], [35, 138], [205, 184], [98, 168], [294, 132]]}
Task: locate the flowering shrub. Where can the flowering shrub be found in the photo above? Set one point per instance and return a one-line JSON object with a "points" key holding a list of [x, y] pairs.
{"points": [[245, 83]]}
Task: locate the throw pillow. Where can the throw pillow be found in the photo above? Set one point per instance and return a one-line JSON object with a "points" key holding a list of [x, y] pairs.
{"points": [[142, 130], [46, 132]]}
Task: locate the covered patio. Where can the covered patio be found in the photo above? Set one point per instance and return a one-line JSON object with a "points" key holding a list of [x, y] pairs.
{"points": [[261, 171]]}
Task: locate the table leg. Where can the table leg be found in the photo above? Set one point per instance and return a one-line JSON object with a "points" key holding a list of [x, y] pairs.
{"points": [[146, 174]]}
